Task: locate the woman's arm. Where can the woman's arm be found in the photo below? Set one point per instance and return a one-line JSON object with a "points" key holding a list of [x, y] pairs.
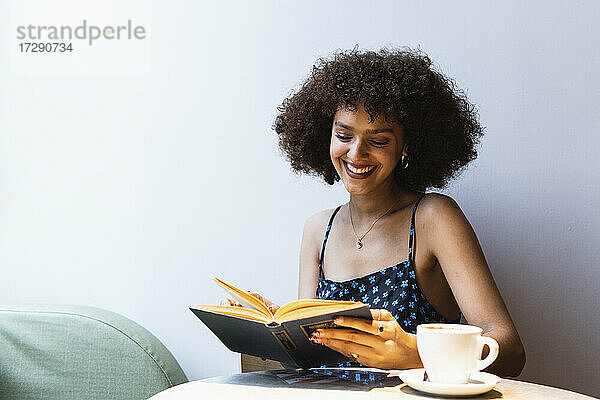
{"points": [[309, 255], [454, 244]]}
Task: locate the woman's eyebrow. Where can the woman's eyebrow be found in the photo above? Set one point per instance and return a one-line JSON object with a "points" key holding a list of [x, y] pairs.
{"points": [[342, 125]]}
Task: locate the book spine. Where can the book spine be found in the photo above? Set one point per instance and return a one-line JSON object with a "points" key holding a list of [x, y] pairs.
{"points": [[288, 343]]}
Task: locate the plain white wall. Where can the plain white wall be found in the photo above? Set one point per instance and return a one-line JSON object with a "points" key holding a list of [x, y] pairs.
{"points": [[130, 191]]}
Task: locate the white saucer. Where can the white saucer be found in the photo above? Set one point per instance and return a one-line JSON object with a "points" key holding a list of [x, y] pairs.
{"points": [[479, 383]]}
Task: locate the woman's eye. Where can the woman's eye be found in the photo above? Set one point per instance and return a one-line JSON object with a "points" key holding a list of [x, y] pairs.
{"points": [[345, 138], [376, 143]]}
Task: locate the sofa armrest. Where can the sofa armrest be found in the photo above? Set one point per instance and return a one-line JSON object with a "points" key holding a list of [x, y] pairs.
{"points": [[80, 352]]}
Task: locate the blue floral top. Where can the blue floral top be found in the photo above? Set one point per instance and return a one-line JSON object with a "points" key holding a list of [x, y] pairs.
{"points": [[393, 288]]}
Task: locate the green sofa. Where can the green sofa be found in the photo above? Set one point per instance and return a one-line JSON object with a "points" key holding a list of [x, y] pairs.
{"points": [[77, 352]]}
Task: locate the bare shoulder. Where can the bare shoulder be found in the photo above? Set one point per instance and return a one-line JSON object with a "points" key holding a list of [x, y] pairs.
{"points": [[438, 205], [316, 224], [440, 215], [441, 218], [312, 239]]}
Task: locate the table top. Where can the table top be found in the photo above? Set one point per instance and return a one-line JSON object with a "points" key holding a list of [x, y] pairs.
{"points": [[266, 385]]}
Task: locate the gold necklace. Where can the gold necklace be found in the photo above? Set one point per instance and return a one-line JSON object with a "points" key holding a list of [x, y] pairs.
{"points": [[359, 244]]}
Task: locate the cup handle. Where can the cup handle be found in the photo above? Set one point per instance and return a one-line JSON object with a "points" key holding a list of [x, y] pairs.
{"points": [[494, 348]]}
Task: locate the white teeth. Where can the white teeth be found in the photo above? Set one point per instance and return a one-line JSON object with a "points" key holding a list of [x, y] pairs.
{"points": [[359, 170]]}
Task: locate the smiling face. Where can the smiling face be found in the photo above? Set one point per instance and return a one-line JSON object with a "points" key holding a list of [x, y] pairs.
{"points": [[365, 154]]}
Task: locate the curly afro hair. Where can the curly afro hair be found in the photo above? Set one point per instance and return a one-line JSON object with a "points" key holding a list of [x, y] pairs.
{"points": [[441, 126]]}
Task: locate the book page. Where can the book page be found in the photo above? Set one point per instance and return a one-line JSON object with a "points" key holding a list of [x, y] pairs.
{"points": [[240, 312], [307, 303], [314, 311], [245, 298]]}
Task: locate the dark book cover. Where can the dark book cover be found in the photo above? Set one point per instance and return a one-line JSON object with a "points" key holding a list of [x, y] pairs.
{"points": [[288, 342]]}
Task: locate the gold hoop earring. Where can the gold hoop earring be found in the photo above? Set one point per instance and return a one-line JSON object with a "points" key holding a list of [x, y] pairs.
{"points": [[404, 166]]}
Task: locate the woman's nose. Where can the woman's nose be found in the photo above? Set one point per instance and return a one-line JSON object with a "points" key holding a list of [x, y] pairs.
{"points": [[358, 149]]}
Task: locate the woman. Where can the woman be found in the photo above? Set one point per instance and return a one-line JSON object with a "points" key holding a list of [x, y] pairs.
{"points": [[389, 127]]}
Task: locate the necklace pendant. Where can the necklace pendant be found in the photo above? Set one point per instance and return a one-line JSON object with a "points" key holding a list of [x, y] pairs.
{"points": [[358, 245]]}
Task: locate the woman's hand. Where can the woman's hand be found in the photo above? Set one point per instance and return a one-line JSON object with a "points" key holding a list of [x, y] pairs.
{"points": [[380, 343], [230, 302], [270, 305]]}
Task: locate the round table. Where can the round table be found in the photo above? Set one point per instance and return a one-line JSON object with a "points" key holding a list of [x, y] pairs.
{"points": [[266, 385]]}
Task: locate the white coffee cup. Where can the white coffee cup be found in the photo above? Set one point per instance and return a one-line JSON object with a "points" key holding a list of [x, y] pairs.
{"points": [[452, 352]]}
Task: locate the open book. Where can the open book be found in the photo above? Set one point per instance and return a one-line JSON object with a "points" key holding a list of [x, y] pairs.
{"points": [[281, 336]]}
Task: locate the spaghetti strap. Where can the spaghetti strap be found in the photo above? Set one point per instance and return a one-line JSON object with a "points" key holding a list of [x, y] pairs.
{"points": [[412, 231], [321, 273], [393, 288]]}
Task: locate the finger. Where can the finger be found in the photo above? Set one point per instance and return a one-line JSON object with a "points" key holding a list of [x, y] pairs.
{"points": [[348, 349], [258, 296], [374, 327], [230, 302], [381, 314], [350, 335], [265, 301], [227, 302], [270, 305]]}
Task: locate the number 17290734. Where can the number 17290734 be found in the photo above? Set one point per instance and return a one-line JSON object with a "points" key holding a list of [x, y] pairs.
{"points": [[54, 47]]}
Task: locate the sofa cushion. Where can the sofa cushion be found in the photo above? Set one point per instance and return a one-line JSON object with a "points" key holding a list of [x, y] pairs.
{"points": [[76, 352]]}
